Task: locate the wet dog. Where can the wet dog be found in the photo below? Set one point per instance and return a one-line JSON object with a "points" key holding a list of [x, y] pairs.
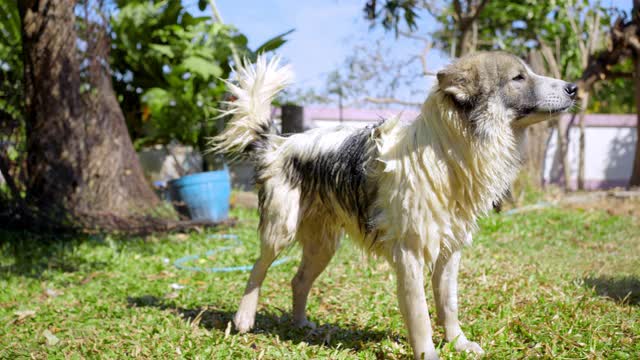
{"points": [[411, 193]]}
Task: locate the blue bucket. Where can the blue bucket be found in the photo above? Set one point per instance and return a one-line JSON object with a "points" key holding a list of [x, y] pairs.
{"points": [[205, 194]]}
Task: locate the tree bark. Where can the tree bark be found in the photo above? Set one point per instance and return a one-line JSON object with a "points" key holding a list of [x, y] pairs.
{"points": [[466, 16], [464, 45], [81, 162], [584, 103], [635, 173], [563, 149], [534, 152]]}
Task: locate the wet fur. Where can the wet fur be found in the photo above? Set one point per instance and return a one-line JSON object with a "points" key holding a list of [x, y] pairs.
{"points": [[411, 193]]}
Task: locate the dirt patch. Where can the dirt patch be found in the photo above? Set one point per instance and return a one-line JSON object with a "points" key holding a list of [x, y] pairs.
{"points": [[244, 199], [615, 202]]}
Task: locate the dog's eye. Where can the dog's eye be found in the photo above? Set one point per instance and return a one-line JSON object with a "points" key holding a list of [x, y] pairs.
{"points": [[518, 77]]}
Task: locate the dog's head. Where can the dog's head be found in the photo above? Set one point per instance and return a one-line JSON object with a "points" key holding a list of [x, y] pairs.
{"points": [[499, 87]]}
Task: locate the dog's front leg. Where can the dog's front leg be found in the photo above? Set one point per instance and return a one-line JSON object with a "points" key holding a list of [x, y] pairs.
{"points": [[445, 290], [413, 305]]}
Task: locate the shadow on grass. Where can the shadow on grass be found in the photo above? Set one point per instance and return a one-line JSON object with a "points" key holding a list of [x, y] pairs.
{"points": [[328, 335], [30, 255], [625, 290]]}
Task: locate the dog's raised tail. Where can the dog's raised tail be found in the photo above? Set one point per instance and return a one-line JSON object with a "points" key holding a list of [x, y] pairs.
{"points": [[250, 125]]}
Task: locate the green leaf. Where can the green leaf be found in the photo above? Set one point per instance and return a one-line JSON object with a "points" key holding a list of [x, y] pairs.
{"points": [[156, 99], [163, 49], [273, 43], [190, 20], [12, 153], [202, 4], [201, 67], [240, 40]]}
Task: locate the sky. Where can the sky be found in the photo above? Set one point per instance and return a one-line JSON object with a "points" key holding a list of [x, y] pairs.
{"points": [[326, 32]]}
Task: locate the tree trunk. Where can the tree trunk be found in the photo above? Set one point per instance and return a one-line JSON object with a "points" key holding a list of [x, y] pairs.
{"points": [[635, 174], [584, 103], [534, 152], [465, 43], [81, 162], [563, 149]]}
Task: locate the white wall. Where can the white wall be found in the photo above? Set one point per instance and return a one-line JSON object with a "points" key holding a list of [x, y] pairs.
{"points": [[609, 152]]}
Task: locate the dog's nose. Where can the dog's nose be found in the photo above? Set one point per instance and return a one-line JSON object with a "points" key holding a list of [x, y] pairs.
{"points": [[571, 90]]}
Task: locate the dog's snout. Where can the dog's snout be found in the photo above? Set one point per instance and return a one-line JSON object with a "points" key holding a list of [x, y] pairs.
{"points": [[571, 90]]}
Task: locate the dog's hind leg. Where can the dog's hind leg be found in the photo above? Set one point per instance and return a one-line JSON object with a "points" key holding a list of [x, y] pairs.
{"points": [[409, 265], [319, 244], [445, 291], [278, 225]]}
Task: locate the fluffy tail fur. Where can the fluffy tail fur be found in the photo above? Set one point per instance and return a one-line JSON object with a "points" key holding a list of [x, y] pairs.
{"points": [[250, 124]]}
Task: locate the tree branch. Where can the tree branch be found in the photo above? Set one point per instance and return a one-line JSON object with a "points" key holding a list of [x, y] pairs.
{"points": [[623, 37], [576, 30], [547, 53], [425, 51], [232, 46], [620, 75], [429, 7], [413, 36], [478, 9], [635, 44], [457, 10], [594, 35], [423, 60]]}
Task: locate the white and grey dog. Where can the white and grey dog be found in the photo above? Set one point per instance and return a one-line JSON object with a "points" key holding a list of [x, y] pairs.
{"points": [[411, 193]]}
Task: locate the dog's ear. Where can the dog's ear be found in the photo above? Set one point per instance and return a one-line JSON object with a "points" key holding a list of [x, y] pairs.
{"points": [[459, 82]]}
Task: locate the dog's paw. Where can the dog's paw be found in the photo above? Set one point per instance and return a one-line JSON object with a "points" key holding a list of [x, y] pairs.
{"points": [[429, 355], [304, 324], [469, 346], [244, 322]]}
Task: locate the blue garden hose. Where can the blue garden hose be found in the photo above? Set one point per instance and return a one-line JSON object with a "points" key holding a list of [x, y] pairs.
{"points": [[236, 244], [537, 206]]}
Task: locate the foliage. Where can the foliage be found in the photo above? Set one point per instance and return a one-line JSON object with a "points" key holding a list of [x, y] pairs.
{"points": [[12, 122], [11, 74], [555, 283], [530, 25], [167, 69], [166, 64], [517, 26], [368, 66], [615, 95], [510, 25], [522, 26], [392, 13]]}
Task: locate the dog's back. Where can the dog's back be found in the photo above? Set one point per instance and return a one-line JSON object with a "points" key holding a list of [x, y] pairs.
{"points": [[325, 172], [333, 170]]}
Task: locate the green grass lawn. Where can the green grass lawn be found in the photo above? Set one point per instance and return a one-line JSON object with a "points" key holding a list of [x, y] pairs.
{"points": [[552, 284]]}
